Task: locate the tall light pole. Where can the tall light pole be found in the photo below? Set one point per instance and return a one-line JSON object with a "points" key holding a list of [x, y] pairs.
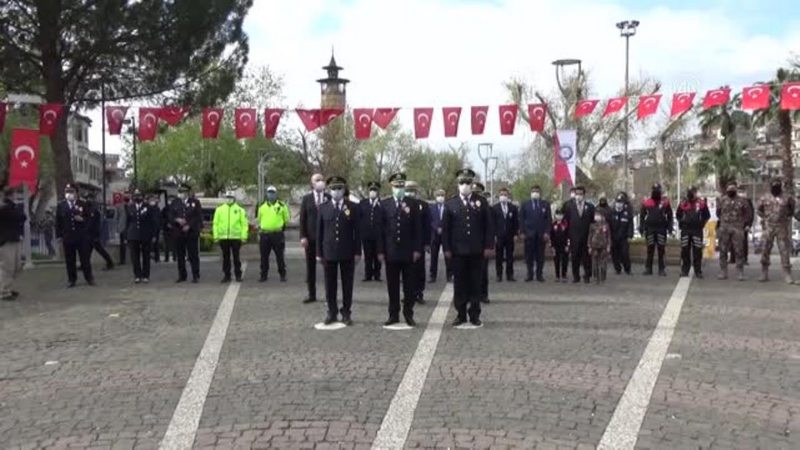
{"points": [[560, 64], [627, 28], [485, 154]]}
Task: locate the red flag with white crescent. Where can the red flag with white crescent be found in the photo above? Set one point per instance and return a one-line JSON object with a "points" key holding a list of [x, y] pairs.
{"points": [[585, 107], [49, 116], [508, 118], [23, 159], [272, 117], [114, 117], [716, 97], [422, 122], [681, 102], [615, 105], [327, 115], [309, 117], [478, 116], [363, 122], [790, 96], [382, 117], [245, 122], [451, 116], [212, 118], [536, 116], [755, 97], [565, 159], [148, 123], [2, 116], [172, 114], [648, 105]]}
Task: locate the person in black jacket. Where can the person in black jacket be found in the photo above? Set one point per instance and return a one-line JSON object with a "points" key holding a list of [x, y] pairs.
{"points": [[11, 223], [338, 248], [166, 229], [480, 189], [186, 219], [692, 215], [412, 192], [535, 222], [72, 227], [621, 220], [579, 215], [371, 231], [437, 213], [309, 207], [152, 202], [95, 228], [655, 222], [506, 225], [142, 226], [559, 239]]}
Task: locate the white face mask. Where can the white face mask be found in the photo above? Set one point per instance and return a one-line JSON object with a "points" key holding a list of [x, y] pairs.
{"points": [[183, 196], [373, 195], [598, 218], [319, 185], [571, 195], [411, 194], [618, 206], [398, 192], [229, 200], [70, 197], [464, 189], [559, 217], [440, 199], [579, 198], [536, 195], [503, 199], [337, 194]]}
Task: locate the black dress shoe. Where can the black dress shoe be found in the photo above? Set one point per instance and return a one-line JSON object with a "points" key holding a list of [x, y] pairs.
{"points": [[329, 320], [459, 322], [90, 282], [647, 272], [485, 300], [283, 278], [347, 321], [262, 279], [225, 280], [391, 322], [540, 279], [662, 273], [699, 275], [365, 279], [476, 322], [71, 284], [684, 274], [195, 280], [421, 301], [587, 280], [180, 280], [378, 280], [576, 280], [432, 280], [499, 279], [410, 322], [511, 279], [309, 300], [529, 278], [239, 279]]}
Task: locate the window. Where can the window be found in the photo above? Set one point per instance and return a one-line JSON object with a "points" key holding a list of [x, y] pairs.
{"points": [[78, 133]]}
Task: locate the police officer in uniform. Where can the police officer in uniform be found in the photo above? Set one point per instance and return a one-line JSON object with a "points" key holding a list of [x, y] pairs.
{"points": [[141, 227], [468, 241], [186, 219], [371, 231], [72, 227], [692, 215], [272, 218], [412, 192], [400, 246], [621, 221], [309, 209], [338, 248], [230, 230], [655, 222]]}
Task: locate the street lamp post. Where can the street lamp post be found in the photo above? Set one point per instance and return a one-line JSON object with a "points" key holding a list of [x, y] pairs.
{"points": [[485, 154], [560, 64], [627, 28], [132, 125], [492, 159]]}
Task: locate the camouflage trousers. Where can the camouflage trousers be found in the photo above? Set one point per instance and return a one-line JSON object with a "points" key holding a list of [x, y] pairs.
{"points": [[781, 234], [599, 263], [731, 238]]}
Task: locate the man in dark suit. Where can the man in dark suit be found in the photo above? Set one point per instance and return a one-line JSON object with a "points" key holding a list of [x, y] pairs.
{"points": [[412, 192], [309, 207], [536, 220], [506, 226], [436, 213], [401, 247], [72, 227], [371, 224], [142, 225], [186, 219], [579, 215], [468, 240], [338, 248]]}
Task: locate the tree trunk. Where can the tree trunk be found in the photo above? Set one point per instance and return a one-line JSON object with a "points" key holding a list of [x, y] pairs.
{"points": [[785, 125]]}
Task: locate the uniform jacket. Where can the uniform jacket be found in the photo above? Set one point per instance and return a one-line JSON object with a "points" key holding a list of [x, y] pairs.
{"points": [[11, 220], [535, 218], [95, 220], [371, 224], [505, 226], [308, 215], [621, 224], [230, 223], [579, 223], [338, 231], [693, 215], [424, 210], [401, 234], [141, 221], [776, 211], [189, 210], [67, 227], [559, 234], [734, 212], [656, 216], [467, 230]]}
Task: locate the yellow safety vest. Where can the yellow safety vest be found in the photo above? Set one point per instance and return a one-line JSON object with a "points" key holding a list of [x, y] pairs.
{"points": [[273, 217]]}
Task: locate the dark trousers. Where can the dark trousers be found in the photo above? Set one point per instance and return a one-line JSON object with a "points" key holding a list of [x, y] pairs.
{"points": [[655, 239], [311, 269], [394, 270], [534, 255], [621, 254], [155, 250], [333, 269], [579, 254], [468, 273], [98, 247], [140, 255], [372, 267], [231, 247], [691, 251], [187, 246], [436, 245], [81, 249], [485, 280], [561, 262], [123, 245], [268, 243], [419, 278], [504, 253]]}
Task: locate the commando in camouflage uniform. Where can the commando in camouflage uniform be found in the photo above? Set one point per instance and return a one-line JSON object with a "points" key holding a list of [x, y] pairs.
{"points": [[775, 211], [733, 213]]}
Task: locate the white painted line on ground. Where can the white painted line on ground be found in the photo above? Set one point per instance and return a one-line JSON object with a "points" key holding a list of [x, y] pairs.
{"points": [[623, 429], [186, 418], [397, 422]]}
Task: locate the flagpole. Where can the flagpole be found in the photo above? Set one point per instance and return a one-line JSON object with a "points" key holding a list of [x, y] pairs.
{"points": [[26, 228], [103, 156]]}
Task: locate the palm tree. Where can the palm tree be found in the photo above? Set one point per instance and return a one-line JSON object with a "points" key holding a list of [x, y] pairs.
{"points": [[728, 118], [728, 161]]}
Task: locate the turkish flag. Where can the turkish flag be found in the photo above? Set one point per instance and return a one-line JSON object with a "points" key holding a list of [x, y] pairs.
{"points": [[648, 105], [755, 97], [451, 117], [615, 105], [536, 116], [681, 103], [790, 96], [245, 122], [148, 123], [363, 122], [382, 117], [172, 114], [49, 115], [2, 116], [212, 118], [478, 115], [23, 161], [508, 118], [309, 117], [716, 97], [114, 116], [272, 117], [327, 115], [585, 107], [422, 122]]}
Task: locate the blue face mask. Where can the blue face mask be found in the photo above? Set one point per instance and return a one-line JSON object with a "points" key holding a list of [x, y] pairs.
{"points": [[272, 196], [398, 193]]}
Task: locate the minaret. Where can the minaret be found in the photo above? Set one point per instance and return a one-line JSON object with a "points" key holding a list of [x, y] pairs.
{"points": [[333, 90]]}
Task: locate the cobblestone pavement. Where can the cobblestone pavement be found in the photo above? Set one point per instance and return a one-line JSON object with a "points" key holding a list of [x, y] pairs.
{"points": [[104, 367]]}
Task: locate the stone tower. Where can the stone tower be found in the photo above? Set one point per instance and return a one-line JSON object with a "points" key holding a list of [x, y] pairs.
{"points": [[333, 90]]}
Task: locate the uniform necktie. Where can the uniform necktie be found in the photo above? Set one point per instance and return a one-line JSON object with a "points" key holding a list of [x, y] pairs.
{"points": [[441, 211]]}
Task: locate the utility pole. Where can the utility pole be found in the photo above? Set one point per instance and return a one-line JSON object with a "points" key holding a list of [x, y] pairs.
{"points": [[485, 154], [627, 28], [560, 64]]}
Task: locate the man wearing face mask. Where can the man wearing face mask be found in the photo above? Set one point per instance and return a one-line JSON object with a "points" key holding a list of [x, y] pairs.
{"points": [[309, 208], [506, 225], [186, 218], [72, 227], [775, 211], [437, 213], [468, 240], [536, 222], [371, 227], [95, 228], [338, 248], [11, 222], [733, 213], [655, 222], [272, 218], [621, 233], [230, 230], [692, 215], [579, 214], [141, 225], [412, 192]]}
